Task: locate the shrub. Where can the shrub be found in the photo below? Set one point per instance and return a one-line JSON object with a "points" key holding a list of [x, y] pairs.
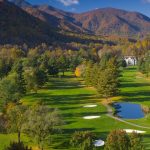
{"points": [[17, 146]]}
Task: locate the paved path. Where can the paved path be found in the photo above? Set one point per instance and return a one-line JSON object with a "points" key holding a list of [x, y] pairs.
{"points": [[110, 114]]}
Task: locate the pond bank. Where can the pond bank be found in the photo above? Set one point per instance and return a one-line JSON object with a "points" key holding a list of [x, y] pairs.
{"points": [[110, 114]]}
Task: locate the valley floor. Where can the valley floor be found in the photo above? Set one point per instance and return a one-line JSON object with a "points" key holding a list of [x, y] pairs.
{"points": [[69, 95]]}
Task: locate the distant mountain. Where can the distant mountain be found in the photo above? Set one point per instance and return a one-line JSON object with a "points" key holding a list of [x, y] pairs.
{"points": [[106, 21], [17, 26], [53, 16], [114, 21]]}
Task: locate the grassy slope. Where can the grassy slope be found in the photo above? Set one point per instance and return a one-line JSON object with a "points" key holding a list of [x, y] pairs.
{"points": [[69, 96]]}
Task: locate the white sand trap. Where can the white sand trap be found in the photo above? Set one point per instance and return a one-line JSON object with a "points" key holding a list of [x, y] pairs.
{"points": [[91, 117], [89, 106], [99, 143], [131, 131]]}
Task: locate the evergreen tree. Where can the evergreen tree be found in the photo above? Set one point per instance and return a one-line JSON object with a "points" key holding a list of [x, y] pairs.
{"points": [[88, 73], [108, 82]]}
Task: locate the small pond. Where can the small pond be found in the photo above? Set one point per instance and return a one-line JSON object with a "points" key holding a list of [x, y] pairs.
{"points": [[128, 110]]}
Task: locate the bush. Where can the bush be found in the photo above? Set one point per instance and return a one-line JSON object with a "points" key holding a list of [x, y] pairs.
{"points": [[17, 146]]}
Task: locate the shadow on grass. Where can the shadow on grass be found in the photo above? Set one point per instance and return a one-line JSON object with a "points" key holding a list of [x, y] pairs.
{"points": [[134, 85], [66, 137], [132, 94], [139, 96], [145, 142], [61, 100], [58, 84]]}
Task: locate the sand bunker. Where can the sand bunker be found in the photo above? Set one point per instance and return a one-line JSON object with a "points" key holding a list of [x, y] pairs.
{"points": [[91, 117], [99, 143], [89, 106], [131, 131]]}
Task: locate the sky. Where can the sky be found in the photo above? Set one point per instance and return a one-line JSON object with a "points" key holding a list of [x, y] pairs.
{"points": [[78, 6]]}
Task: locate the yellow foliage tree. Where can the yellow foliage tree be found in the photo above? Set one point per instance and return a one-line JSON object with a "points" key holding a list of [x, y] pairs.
{"points": [[77, 72]]}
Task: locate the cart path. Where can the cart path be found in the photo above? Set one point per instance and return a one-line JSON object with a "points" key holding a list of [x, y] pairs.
{"points": [[110, 114]]}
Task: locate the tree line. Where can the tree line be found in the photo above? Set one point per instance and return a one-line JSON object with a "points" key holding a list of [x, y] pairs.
{"points": [[103, 76]]}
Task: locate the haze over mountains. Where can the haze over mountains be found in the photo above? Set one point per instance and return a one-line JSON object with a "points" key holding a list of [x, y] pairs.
{"points": [[106, 21]]}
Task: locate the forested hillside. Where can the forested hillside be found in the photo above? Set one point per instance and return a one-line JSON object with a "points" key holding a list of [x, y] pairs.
{"points": [[17, 26]]}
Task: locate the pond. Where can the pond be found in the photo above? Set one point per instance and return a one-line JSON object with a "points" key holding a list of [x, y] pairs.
{"points": [[128, 110]]}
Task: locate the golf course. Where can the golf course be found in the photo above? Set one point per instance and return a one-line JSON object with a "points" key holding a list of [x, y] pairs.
{"points": [[70, 96]]}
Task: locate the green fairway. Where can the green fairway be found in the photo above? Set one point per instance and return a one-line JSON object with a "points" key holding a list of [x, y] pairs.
{"points": [[135, 88], [69, 95]]}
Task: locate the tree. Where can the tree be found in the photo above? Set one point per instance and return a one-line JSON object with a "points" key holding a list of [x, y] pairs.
{"points": [[40, 77], [120, 140], [80, 70], [42, 123], [88, 73], [117, 140], [53, 68], [108, 83], [94, 76], [5, 67], [34, 78], [83, 140], [30, 79], [63, 63], [135, 142], [16, 119], [10, 90], [19, 70]]}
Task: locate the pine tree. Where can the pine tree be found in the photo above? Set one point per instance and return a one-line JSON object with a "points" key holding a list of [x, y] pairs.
{"points": [[88, 73], [107, 83]]}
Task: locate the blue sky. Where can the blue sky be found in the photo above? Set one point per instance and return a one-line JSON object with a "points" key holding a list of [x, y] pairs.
{"points": [[78, 6]]}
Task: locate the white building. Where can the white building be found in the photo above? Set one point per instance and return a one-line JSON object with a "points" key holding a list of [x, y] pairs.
{"points": [[130, 60]]}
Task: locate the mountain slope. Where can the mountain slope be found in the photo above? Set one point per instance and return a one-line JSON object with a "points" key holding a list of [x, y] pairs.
{"points": [[17, 26], [114, 21], [55, 17], [106, 21]]}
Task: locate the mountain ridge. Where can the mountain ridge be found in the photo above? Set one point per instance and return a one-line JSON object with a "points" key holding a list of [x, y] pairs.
{"points": [[18, 26], [103, 21]]}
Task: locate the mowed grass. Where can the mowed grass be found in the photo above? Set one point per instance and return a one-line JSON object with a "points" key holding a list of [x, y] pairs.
{"points": [[68, 94], [136, 88]]}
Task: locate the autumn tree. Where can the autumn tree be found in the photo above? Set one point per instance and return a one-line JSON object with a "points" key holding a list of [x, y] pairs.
{"points": [[120, 140], [83, 140], [117, 140]]}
